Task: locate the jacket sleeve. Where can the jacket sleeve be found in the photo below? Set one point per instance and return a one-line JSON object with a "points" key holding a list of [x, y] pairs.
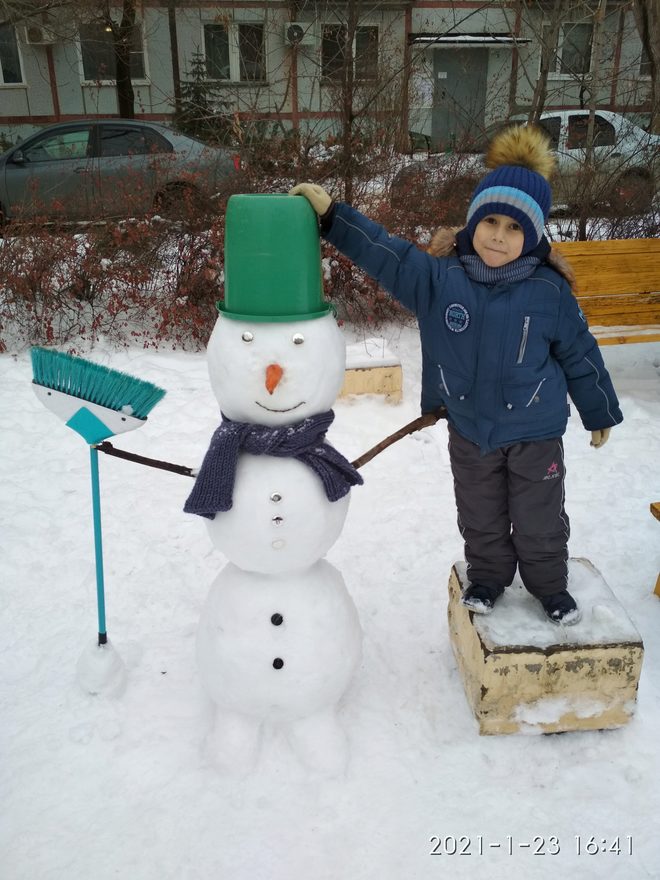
{"points": [[589, 383], [409, 274]]}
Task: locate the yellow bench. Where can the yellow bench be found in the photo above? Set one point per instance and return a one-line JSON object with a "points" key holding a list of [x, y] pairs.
{"points": [[655, 510], [618, 287]]}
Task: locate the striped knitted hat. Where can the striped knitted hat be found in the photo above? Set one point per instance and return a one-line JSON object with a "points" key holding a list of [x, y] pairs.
{"points": [[518, 186]]}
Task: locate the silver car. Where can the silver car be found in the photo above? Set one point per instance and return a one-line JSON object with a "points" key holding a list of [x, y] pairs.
{"points": [[104, 168], [624, 176]]}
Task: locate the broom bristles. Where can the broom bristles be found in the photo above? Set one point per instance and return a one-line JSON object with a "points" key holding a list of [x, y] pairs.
{"points": [[94, 382]]}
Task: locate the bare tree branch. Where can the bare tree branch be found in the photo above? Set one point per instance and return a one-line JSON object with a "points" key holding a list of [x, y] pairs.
{"points": [[647, 16]]}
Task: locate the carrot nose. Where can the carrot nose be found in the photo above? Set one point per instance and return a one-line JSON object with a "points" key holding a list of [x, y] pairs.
{"points": [[274, 373]]}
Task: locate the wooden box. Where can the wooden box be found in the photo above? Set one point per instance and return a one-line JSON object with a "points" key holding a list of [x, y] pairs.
{"points": [[524, 674], [372, 369]]}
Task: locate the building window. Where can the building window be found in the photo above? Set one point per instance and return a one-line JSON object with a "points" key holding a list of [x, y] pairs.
{"points": [[365, 52], [571, 54], [645, 63], [10, 63], [216, 48], [236, 54], [333, 48], [98, 53]]}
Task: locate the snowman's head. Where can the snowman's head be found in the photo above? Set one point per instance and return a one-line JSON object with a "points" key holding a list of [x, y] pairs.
{"points": [[276, 373]]}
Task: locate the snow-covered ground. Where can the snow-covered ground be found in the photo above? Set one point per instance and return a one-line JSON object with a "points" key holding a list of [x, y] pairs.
{"points": [[118, 788]]}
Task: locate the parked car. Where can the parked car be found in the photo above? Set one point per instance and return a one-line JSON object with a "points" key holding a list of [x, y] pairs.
{"points": [[625, 176], [103, 168]]}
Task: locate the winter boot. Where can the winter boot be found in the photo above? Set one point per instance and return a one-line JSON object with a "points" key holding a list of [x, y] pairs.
{"points": [[481, 599], [561, 608]]}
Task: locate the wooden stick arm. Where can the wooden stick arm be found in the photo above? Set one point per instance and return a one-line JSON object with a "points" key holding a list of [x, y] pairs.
{"points": [[423, 421], [109, 449]]}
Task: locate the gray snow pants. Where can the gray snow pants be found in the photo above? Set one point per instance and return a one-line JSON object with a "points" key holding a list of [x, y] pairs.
{"points": [[510, 506]]}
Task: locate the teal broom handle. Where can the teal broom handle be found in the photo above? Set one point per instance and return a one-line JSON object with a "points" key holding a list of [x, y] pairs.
{"points": [[98, 543]]}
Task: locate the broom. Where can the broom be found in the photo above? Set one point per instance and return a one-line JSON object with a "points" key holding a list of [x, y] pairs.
{"points": [[97, 403]]}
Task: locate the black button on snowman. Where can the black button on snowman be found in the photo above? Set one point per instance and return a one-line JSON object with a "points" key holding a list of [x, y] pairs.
{"points": [[279, 636]]}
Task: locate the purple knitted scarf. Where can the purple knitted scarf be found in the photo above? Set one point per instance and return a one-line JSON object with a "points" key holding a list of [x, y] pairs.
{"points": [[305, 441]]}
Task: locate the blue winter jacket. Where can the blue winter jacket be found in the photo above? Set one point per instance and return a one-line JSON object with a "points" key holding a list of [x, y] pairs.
{"points": [[501, 358]]}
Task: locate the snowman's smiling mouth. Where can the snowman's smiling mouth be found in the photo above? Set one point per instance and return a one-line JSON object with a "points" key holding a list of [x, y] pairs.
{"points": [[288, 409]]}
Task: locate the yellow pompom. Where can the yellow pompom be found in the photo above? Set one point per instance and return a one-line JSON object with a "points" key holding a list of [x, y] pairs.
{"points": [[526, 145]]}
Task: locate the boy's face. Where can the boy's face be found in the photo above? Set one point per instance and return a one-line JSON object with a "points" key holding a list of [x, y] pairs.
{"points": [[498, 240]]}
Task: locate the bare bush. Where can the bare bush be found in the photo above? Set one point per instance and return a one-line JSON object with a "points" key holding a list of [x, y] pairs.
{"points": [[134, 281], [356, 297], [155, 282]]}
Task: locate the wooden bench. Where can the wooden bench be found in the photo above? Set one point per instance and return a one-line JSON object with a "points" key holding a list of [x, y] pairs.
{"points": [[618, 287], [655, 510]]}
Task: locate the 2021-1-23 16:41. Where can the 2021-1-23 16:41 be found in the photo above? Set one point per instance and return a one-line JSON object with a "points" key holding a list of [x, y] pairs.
{"points": [[539, 845]]}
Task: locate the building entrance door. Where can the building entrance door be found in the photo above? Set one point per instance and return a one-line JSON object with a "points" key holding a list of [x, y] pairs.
{"points": [[459, 106]]}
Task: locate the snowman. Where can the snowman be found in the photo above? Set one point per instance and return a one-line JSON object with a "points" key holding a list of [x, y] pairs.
{"points": [[279, 636]]}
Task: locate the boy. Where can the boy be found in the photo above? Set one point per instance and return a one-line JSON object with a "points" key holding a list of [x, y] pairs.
{"points": [[503, 341]]}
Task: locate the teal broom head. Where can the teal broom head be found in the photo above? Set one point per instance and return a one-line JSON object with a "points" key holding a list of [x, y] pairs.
{"points": [[93, 400], [94, 382]]}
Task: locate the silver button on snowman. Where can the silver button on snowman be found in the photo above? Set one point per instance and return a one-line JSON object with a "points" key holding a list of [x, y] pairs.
{"points": [[279, 637]]}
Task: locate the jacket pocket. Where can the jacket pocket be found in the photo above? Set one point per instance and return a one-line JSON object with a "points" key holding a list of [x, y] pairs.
{"points": [[454, 386], [523, 395]]}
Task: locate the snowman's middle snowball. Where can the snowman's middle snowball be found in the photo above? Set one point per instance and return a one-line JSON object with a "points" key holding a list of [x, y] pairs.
{"points": [[280, 519]]}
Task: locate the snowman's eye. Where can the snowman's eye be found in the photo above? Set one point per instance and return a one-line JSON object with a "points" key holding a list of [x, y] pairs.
{"points": [[247, 336], [298, 338]]}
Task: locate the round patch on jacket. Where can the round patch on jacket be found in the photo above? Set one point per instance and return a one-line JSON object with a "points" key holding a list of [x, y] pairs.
{"points": [[457, 317]]}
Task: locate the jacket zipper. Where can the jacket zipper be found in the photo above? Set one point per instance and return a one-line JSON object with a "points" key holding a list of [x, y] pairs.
{"points": [[536, 391], [523, 341]]}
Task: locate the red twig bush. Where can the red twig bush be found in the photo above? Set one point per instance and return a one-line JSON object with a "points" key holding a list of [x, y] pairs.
{"points": [[135, 281]]}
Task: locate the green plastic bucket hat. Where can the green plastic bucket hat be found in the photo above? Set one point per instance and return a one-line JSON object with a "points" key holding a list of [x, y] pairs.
{"points": [[272, 260]]}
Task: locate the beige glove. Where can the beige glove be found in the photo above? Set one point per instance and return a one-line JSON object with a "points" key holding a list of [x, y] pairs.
{"points": [[599, 438], [315, 195]]}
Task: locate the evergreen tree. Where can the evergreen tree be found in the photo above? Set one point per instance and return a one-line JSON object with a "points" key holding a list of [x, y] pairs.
{"points": [[204, 113]]}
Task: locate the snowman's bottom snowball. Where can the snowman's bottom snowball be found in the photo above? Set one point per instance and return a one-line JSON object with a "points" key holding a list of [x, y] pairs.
{"points": [[320, 743], [278, 647], [100, 670]]}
